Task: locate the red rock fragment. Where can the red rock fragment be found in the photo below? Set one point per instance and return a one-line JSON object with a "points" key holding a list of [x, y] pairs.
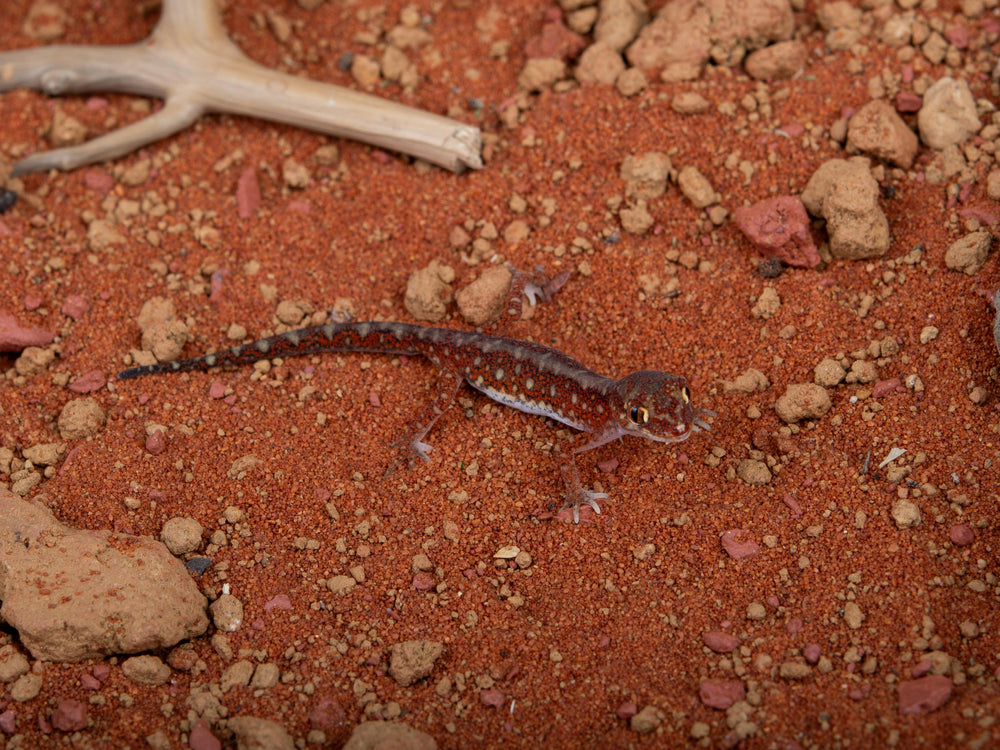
{"points": [[719, 642], [88, 382], [89, 682], [739, 544], [779, 228], [812, 652], [958, 35], [923, 695], [99, 182], [885, 387], [217, 389], [14, 338], [70, 715], [247, 193], [327, 715], [7, 723], [792, 504], [492, 698], [608, 466], [961, 535], [555, 40], [201, 737], [907, 101], [423, 581], [281, 601], [626, 711], [75, 307], [156, 443], [721, 694]]}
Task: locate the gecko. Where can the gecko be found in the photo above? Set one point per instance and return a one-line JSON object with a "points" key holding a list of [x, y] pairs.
{"points": [[524, 375]]}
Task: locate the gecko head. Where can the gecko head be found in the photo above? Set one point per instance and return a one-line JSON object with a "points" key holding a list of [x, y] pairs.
{"points": [[655, 405]]}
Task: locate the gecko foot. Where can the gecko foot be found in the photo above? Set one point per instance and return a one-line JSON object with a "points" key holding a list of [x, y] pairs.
{"points": [[583, 497]]}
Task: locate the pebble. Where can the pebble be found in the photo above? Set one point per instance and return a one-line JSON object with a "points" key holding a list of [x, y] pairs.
{"points": [[721, 694], [719, 641], [948, 116], [779, 229], [802, 401], [70, 716], [878, 130], [923, 695], [739, 543], [961, 535]]}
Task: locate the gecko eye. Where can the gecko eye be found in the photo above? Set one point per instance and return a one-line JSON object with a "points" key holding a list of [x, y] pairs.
{"points": [[639, 414], [685, 395]]}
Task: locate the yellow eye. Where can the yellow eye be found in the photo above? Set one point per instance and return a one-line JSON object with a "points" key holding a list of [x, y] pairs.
{"points": [[685, 395], [639, 414]]}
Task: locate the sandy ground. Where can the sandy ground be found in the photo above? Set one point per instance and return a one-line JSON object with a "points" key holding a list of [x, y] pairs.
{"points": [[775, 582]]}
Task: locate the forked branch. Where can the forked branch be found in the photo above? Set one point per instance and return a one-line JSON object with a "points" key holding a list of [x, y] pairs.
{"points": [[191, 64]]}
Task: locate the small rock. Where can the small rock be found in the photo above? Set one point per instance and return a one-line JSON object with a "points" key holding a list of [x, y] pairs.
{"points": [[252, 733], [181, 535], [646, 721], [411, 661], [961, 535], [793, 670], [753, 472], [845, 194], [802, 401], [428, 292], [369, 735], [227, 613], [721, 694], [645, 175], [80, 419], [485, 298], [777, 61], [696, 187], [619, 21], [779, 228], [146, 670], [853, 616], [948, 116], [70, 716], [540, 73], [599, 63], [923, 695], [719, 641], [969, 253], [829, 373], [876, 129], [739, 543], [906, 514]]}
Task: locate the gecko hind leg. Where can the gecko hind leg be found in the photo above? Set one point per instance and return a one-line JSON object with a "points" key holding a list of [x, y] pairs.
{"points": [[411, 445], [531, 284]]}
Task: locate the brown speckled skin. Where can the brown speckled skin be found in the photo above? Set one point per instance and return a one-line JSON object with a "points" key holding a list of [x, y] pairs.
{"points": [[524, 375]]}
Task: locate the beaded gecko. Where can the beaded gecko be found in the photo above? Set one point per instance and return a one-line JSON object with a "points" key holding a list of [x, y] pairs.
{"points": [[524, 375]]}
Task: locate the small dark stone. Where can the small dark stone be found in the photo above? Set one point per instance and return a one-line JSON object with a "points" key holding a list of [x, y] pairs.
{"points": [[198, 565], [770, 268], [346, 61], [7, 200], [613, 238], [476, 104], [889, 192]]}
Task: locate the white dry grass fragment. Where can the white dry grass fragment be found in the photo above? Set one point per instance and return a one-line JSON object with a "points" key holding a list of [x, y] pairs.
{"points": [[893, 455], [191, 64]]}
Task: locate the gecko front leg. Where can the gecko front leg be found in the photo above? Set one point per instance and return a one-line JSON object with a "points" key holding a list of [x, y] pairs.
{"points": [[411, 445]]}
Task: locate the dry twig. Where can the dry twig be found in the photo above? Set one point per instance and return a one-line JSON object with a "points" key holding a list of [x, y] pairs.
{"points": [[190, 63]]}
